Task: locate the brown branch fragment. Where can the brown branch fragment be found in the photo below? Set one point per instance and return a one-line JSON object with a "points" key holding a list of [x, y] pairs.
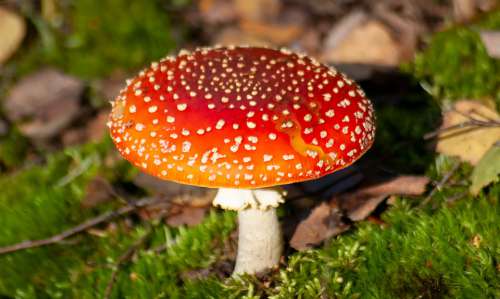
{"points": [[472, 124], [441, 183]]}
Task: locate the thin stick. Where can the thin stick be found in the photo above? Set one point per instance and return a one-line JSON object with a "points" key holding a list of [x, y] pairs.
{"points": [[441, 183], [473, 124], [127, 255], [79, 228], [475, 111]]}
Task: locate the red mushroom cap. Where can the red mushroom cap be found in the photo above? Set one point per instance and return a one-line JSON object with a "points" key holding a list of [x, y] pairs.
{"points": [[241, 118]]}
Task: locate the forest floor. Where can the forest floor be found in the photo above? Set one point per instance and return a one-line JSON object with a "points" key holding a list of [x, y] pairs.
{"points": [[417, 217]]}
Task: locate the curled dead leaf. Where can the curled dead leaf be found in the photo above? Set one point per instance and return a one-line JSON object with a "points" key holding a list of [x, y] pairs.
{"points": [[362, 202], [186, 215], [322, 223]]}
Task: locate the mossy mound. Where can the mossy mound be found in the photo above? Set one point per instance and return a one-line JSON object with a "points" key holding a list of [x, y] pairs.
{"points": [[456, 64]]}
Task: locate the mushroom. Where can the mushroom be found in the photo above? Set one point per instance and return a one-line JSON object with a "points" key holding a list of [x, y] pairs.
{"points": [[245, 120]]}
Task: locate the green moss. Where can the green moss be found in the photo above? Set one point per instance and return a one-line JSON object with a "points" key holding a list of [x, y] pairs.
{"points": [[36, 203], [44, 200], [456, 64], [418, 255], [13, 149], [150, 274], [103, 36]]}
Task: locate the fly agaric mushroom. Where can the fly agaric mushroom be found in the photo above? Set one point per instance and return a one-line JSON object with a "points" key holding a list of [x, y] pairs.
{"points": [[244, 120]]}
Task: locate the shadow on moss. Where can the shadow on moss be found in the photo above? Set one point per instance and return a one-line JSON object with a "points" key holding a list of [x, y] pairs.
{"points": [[414, 285], [404, 114]]}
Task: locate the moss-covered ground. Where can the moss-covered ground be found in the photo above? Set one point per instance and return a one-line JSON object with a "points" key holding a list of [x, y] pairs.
{"points": [[449, 248]]}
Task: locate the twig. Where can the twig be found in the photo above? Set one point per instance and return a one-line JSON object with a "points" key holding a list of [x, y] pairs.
{"points": [[79, 228], [441, 183], [127, 255], [470, 116], [474, 124]]}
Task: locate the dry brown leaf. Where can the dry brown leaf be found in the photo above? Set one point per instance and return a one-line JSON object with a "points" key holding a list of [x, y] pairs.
{"points": [[274, 33], [309, 42], [257, 10], [491, 40], [96, 127], [343, 28], [233, 36], [157, 210], [407, 31], [12, 32], [361, 203], [323, 223], [73, 136], [464, 10], [186, 215], [469, 144], [110, 87], [94, 130], [98, 191], [357, 39], [365, 207], [44, 103], [217, 11]]}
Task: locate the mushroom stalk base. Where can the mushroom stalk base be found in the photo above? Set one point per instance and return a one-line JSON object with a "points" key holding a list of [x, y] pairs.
{"points": [[259, 241]]}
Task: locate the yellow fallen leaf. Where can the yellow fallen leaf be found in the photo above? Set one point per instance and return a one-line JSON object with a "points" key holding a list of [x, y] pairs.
{"points": [[12, 31], [469, 143]]}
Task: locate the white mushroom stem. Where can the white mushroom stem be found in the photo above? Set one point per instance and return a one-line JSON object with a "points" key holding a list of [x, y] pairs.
{"points": [[259, 241], [259, 233]]}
